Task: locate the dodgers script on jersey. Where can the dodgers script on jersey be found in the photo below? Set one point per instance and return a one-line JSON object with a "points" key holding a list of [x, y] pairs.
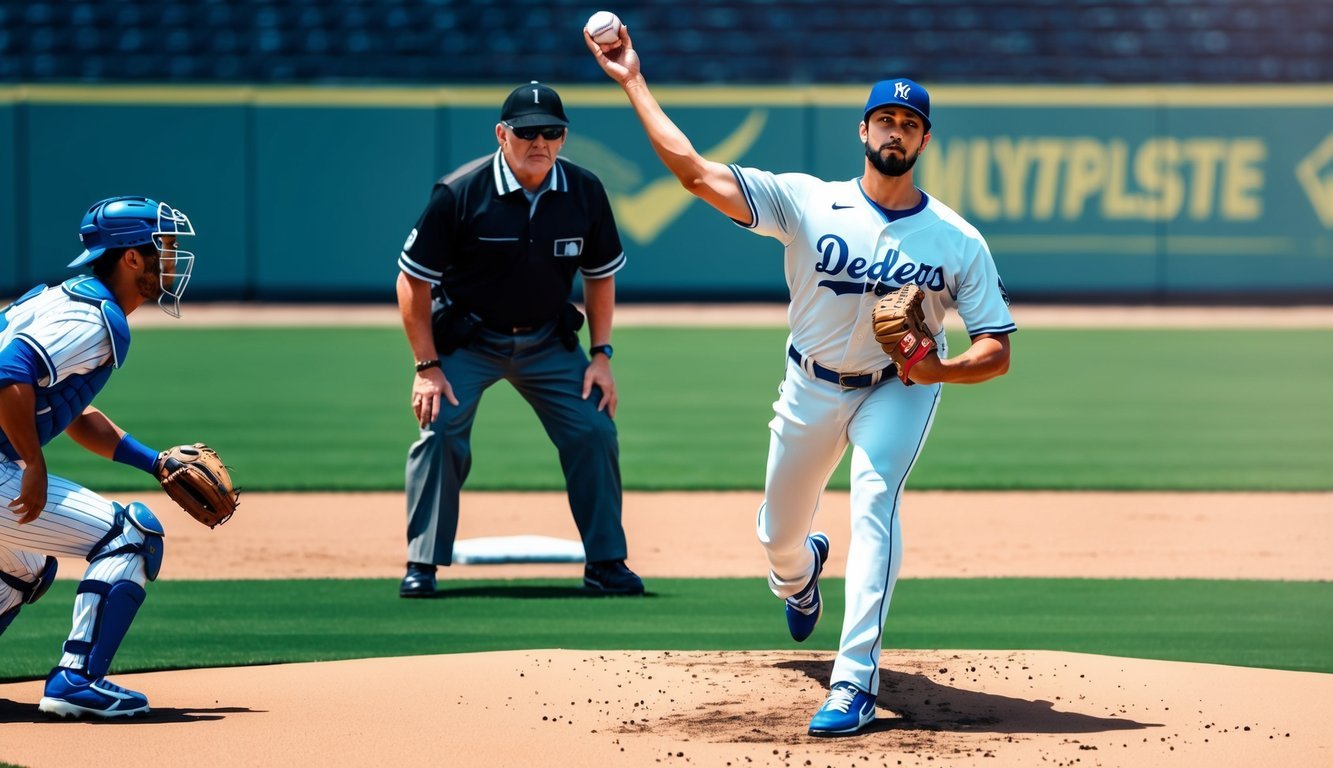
{"points": [[843, 252]]}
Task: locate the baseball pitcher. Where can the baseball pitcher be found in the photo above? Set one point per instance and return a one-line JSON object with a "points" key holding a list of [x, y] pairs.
{"points": [[872, 264]]}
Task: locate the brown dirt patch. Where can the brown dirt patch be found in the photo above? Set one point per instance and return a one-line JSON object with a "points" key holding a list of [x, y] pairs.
{"points": [[579, 708]]}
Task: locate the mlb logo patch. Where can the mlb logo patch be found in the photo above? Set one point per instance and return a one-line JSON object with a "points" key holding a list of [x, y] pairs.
{"points": [[569, 247]]}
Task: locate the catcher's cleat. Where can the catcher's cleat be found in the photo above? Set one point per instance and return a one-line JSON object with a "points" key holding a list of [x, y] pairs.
{"points": [[611, 577], [846, 711], [70, 693], [805, 607], [419, 581]]}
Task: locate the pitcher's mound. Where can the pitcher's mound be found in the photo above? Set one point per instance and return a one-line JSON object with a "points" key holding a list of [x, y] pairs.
{"points": [[580, 708]]}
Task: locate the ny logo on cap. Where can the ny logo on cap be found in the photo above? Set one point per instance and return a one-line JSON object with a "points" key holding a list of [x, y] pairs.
{"points": [[900, 90]]}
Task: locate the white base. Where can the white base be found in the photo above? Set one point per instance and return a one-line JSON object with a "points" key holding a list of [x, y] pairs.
{"points": [[492, 550]]}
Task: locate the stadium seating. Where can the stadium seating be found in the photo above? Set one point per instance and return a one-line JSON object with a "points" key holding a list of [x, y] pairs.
{"points": [[683, 41]]}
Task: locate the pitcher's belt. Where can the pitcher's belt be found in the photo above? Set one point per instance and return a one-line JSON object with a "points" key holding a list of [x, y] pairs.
{"points": [[844, 380]]}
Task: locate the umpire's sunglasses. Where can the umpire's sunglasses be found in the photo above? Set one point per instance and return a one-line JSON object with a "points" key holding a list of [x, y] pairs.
{"points": [[548, 132]]}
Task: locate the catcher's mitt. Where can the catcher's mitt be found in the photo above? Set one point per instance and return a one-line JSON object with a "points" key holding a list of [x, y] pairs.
{"points": [[196, 479], [900, 327]]}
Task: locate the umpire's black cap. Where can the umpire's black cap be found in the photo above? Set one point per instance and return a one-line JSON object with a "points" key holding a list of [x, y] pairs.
{"points": [[533, 104]]}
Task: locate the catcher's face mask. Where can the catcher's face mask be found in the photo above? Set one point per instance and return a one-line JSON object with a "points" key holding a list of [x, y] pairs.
{"points": [[175, 264]]}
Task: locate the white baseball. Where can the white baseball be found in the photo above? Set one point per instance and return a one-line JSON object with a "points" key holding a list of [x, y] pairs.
{"points": [[603, 27]]}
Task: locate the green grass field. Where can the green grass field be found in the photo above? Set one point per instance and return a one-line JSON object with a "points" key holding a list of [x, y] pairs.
{"points": [[319, 409], [223, 623]]}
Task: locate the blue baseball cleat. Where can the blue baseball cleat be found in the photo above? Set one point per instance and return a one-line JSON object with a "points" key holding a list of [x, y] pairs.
{"points": [[804, 608], [69, 693], [846, 711]]}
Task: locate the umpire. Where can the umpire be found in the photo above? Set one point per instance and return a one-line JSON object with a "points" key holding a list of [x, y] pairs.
{"points": [[483, 289]]}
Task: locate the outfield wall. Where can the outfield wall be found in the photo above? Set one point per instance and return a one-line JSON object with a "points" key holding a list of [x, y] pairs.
{"points": [[1157, 193]]}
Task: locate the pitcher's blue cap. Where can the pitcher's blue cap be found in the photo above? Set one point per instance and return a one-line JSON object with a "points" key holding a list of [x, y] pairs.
{"points": [[902, 93]]}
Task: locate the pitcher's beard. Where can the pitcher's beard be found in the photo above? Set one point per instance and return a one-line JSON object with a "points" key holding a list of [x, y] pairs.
{"points": [[890, 165]]}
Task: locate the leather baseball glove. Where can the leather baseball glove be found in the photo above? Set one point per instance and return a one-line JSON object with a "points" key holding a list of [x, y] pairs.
{"points": [[196, 479], [900, 327]]}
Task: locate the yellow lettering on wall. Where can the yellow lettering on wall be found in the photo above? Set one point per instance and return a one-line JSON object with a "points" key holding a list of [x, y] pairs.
{"points": [[1162, 178], [1118, 202], [1046, 181], [1157, 172], [1243, 180], [980, 197], [1012, 159], [944, 169], [1203, 156], [1087, 174]]}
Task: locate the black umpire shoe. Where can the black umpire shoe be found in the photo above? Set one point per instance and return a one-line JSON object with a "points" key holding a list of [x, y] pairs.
{"points": [[611, 577], [419, 581]]}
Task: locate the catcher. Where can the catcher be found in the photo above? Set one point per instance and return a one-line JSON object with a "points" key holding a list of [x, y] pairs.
{"points": [[59, 345]]}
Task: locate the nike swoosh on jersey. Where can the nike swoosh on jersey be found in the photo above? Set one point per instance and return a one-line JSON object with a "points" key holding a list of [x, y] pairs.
{"points": [[837, 207]]}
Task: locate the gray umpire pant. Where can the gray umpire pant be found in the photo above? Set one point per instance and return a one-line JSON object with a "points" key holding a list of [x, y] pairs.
{"points": [[550, 378]]}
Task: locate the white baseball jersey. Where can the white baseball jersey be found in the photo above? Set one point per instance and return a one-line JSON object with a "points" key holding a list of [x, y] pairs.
{"points": [[69, 338], [843, 253]]}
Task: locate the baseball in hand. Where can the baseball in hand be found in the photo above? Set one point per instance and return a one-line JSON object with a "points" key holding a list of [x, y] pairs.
{"points": [[604, 27]]}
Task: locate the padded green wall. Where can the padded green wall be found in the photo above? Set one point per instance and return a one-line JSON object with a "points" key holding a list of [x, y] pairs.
{"points": [[1157, 193]]}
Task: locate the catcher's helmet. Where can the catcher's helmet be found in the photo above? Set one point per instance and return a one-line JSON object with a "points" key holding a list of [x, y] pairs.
{"points": [[116, 222], [128, 221]]}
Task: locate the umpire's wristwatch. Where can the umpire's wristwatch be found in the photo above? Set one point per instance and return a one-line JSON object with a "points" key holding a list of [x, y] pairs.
{"points": [[605, 349]]}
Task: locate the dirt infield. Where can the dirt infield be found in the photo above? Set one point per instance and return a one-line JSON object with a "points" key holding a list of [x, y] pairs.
{"points": [[1052, 534], [576, 708], [582, 708]]}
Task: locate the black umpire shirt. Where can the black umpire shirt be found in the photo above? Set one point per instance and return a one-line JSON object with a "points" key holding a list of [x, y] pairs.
{"points": [[511, 261]]}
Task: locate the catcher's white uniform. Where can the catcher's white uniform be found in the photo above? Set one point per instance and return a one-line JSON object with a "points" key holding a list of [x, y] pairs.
{"points": [[842, 253], [72, 339], [64, 341]]}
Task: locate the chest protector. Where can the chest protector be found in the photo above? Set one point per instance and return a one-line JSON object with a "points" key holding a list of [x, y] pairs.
{"points": [[58, 405]]}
